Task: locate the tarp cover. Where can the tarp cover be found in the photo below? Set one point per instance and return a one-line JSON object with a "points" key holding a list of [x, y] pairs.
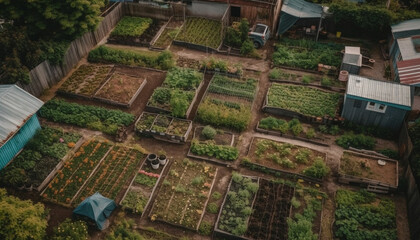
{"points": [[294, 10], [97, 208]]}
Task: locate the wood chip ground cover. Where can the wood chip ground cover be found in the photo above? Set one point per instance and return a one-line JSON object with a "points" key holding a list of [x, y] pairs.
{"points": [[283, 156], [184, 193], [201, 31], [86, 80], [75, 171], [304, 100], [113, 174], [120, 87]]}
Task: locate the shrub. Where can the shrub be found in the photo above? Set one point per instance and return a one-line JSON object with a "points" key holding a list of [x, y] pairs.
{"points": [[205, 228], [389, 153], [318, 169], [71, 230], [275, 74], [310, 133], [326, 81], [360, 141], [216, 196], [233, 38], [212, 208], [247, 47], [208, 132]]}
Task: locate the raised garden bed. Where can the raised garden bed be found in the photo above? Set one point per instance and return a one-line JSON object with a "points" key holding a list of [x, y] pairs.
{"points": [[164, 127], [76, 171], [86, 80], [188, 63], [138, 195], [135, 31], [364, 215], [221, 67], [365, 170], [112, 174], [228, 103], [120, 89], [287, 158], [177, 94], [165, 39], [232, 221], [183, 195], [200, 33], [219, 149], [301, 101]]}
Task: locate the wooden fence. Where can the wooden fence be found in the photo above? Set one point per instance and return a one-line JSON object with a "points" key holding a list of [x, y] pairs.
{"points": [[45, 75]]}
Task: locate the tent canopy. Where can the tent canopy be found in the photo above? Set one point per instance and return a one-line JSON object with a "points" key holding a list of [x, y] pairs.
{"points": [[293, 10], [97, 208]]}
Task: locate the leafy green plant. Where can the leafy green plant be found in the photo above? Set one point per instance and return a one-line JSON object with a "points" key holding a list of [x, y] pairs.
{"points": [[307, 79], [201, 31], [71, 230], [131, 26], [145, 180], [183, 78], [356, 140], [326, 81], [310, 133], [247, 47], [210, 149], [212, 208], [233, 87], [208, 132], [205, 228], [318, 169], [216, 196]]}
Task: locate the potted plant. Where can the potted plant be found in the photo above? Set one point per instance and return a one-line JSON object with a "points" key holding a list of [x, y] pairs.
{"points": [[155, 164], [151, 157]]}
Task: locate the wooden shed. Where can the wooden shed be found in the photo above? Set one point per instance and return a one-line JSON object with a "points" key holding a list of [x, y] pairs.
{"points": [[18, 120]]}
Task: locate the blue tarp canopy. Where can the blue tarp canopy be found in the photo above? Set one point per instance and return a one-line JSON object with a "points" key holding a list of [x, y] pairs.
{"points": [[96, 207], [293, 10]]}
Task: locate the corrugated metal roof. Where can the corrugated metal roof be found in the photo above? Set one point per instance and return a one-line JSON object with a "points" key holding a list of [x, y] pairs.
{"points": [[407, 49], [302, 9], [387, 92], [406, 28], [409, 71], [16, 107]]}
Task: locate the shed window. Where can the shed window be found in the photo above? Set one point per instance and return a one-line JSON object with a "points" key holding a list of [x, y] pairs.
{"points": [[357, 104], [376, 107]]}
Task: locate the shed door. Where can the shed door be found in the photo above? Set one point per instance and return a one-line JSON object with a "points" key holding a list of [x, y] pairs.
{"points": [[235, 12]]}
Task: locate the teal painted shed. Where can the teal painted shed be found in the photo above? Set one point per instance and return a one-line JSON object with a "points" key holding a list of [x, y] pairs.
{"points": [[18, 120]]}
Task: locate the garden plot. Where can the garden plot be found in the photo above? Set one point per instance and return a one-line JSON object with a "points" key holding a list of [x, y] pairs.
{"points": [[40, 158], [121, 89], [228, 102], [213, 145], [138, 195], [364, 215], [368, 170], [135, 31], [178, 92], [169, 33], [112, 174], [183, 195], [163, 127], [287, 158], [76, 171], [86, 80], [200, 33], [300, 101], [307, 54]]}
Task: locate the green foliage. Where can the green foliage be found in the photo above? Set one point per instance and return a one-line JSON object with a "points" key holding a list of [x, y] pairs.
{"points": [[390, 153], [208, 132], [304, 100], [306, 79], [360, 141], [213, 208], [295, 127], [183, 78], [310, 133], [222, 114], [201, 31], [205, 228], [361, 215], [216, 196], [105, 54], [131, 26], [69, 230], [272, 123], [21, 219], [233, 38], [295, 203], [232, 87], [300, 228], [247, 47], [96, 118], [210, 149], [143, 179], [318, 169], [326, 81], [243, 29], [124, 230]]}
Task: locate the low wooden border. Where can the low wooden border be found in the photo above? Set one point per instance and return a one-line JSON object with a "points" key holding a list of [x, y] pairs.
{"points": [[60, 164], [157, 35], [220, 233], [227, 74], [202, 214], [335, 89], [319, 141], [347, 179]]}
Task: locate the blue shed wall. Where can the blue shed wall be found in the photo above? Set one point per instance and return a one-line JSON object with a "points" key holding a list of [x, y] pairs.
{"points": [[14, 145], [391, 119]]}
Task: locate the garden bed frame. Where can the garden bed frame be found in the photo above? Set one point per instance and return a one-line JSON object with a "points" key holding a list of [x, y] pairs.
{"points": [[335, 89], [305, 118], [371, 184], [220, 233], [153, 189], [164, 135], [154, 109], [202, 214], [60, 164], [165, 26], [286, 173], [316, 140], [212, 159]]}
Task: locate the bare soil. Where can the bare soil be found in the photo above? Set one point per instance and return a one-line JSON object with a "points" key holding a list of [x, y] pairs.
{"points": [[120, 88], [221, 138]]}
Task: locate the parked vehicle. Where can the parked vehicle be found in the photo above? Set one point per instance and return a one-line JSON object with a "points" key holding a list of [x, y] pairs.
{"points": [[259, 35]]}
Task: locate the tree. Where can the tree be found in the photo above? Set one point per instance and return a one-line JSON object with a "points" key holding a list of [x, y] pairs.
{"points": [[21, 219], [66, 19], [244, 29]]}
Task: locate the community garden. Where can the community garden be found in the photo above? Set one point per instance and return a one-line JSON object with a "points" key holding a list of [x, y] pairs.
{"points": [[201, 31]]}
